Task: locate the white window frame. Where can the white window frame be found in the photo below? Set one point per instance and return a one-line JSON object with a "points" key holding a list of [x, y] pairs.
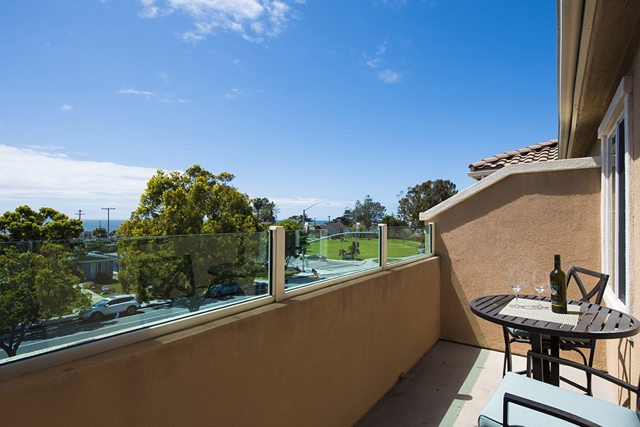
{"points": [[619, 109]]}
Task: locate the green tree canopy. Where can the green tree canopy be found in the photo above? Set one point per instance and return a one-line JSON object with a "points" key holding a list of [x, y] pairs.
{"points": [[367, 212], [294, 239], [99, 232], [266, 210], [191, 202], [37, 281], [34, 287], [423, 197], [392, 221], [46, 224], [204, 232], [19, 304]]}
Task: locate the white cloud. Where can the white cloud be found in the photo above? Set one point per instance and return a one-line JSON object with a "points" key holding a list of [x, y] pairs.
{"points": [[234, 93], [374, 63], [389, 76], [136, 92], [251, 19], [35, 177], [165, 99], [66, 107]]}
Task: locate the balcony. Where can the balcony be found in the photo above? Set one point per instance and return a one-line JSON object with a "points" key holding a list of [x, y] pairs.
{"points": [[324, 354], [449, 386]]}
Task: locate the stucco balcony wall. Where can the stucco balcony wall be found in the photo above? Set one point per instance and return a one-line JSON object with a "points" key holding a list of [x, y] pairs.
{"points": [[322, 359], [518, 217]]}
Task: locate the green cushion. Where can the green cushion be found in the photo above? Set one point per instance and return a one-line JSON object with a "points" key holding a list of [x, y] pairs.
{"points": [[596, 410]]}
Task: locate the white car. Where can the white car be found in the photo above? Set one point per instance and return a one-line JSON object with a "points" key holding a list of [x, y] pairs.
{"points": [[116, 305]]}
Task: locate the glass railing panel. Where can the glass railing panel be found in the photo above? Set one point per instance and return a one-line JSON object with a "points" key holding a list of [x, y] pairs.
{"points": [[57, 294], [319, 256], [404, 243]]}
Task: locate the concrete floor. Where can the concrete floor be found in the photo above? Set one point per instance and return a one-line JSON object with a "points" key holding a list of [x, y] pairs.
{"points": [[450, 386]]}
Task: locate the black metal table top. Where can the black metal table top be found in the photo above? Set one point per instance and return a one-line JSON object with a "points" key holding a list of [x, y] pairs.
{"points": [[594, 321]]}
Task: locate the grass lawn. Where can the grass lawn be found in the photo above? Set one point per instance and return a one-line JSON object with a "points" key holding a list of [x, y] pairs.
{"points": [[368, 248]]}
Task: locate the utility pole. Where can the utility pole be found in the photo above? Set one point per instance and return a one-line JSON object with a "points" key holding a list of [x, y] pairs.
{"points": [[108, 211], [80, 213]]}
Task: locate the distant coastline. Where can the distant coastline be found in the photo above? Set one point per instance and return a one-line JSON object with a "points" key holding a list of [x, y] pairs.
{"points": [[92, 224], [114, 224]]}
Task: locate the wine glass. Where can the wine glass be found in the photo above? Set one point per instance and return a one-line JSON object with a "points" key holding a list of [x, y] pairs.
{"points": [[516, 281], [540, 284]]}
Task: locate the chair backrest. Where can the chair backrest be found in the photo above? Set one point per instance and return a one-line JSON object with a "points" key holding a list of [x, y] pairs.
{"points": [[598, 288]]}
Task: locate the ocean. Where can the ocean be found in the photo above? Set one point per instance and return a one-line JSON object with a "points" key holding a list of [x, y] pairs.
{"points": [[92, 224]]}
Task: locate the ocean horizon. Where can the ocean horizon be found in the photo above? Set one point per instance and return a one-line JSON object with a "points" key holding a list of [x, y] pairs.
{"points": [[114, 224], [92, 224]]}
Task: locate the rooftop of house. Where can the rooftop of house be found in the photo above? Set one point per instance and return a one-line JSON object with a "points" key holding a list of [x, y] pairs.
{"points": [[541, 152]]}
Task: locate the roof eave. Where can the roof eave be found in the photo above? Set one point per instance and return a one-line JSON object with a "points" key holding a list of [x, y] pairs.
{"points": [[575, 22]]}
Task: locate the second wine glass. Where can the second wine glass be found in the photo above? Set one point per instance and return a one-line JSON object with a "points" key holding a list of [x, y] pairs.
{"points": [[540, 284], [516, 281]]}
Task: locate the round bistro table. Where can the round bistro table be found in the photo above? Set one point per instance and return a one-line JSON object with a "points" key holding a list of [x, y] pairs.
{"points": [[592, 321]]}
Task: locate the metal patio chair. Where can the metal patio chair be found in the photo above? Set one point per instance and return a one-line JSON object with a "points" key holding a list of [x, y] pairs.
{"points": [[521, 400], [594, 295]]}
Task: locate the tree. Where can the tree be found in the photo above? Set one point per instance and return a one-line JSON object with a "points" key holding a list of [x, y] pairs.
{"points": [[297, 219], [99, 232], [45, 224], [19, 305], [392, 221], [266, 211], [367, 212], [58, 278], [34, 287], [204, 232], [38, 279], [423, 197], [191, 202], [345, 219], [293, 238]]}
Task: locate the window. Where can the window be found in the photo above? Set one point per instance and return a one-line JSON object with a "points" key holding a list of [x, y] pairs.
{"points": [[616, 153]]}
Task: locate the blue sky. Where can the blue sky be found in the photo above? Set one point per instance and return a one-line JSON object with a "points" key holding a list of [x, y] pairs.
{"points": [[303, 101]]}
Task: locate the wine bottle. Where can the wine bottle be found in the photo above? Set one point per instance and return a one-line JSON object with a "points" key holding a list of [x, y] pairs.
{"points": [[558, 285]]}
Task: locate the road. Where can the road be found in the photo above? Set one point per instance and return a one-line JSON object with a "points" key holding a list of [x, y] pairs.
{"points": [[61, 334], [58, 334]]}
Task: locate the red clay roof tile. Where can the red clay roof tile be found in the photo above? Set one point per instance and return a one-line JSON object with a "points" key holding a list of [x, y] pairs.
{"points": [[541, 152]]}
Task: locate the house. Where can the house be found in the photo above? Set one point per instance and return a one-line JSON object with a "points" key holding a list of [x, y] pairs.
{"points": [[582, 206], [95, 264], [326, 357], [541, 152], [332, 228]]}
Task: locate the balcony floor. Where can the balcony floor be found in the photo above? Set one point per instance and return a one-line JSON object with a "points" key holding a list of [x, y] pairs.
{"points": [[450, 386]]}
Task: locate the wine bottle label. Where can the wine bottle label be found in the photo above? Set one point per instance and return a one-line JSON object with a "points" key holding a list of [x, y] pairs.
{"points": [[554, 289]]}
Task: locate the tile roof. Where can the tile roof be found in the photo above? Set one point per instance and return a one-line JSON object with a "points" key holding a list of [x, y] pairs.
{"points": [[541, 152]]}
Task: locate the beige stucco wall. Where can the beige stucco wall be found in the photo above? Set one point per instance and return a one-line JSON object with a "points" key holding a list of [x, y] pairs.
{"points": [[624, 355], [521, 220], [322, 359]]}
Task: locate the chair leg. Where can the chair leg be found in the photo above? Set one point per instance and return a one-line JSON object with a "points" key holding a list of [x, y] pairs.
{"points": [[588, 388], [507, 364], [592, 353]]}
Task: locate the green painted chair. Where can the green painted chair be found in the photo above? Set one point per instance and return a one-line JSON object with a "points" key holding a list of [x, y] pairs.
{"points": [[523, 401]]}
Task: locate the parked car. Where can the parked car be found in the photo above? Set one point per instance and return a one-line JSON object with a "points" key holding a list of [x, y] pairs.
{"points": [[222, 289], [318, 257], [115, 305]]}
